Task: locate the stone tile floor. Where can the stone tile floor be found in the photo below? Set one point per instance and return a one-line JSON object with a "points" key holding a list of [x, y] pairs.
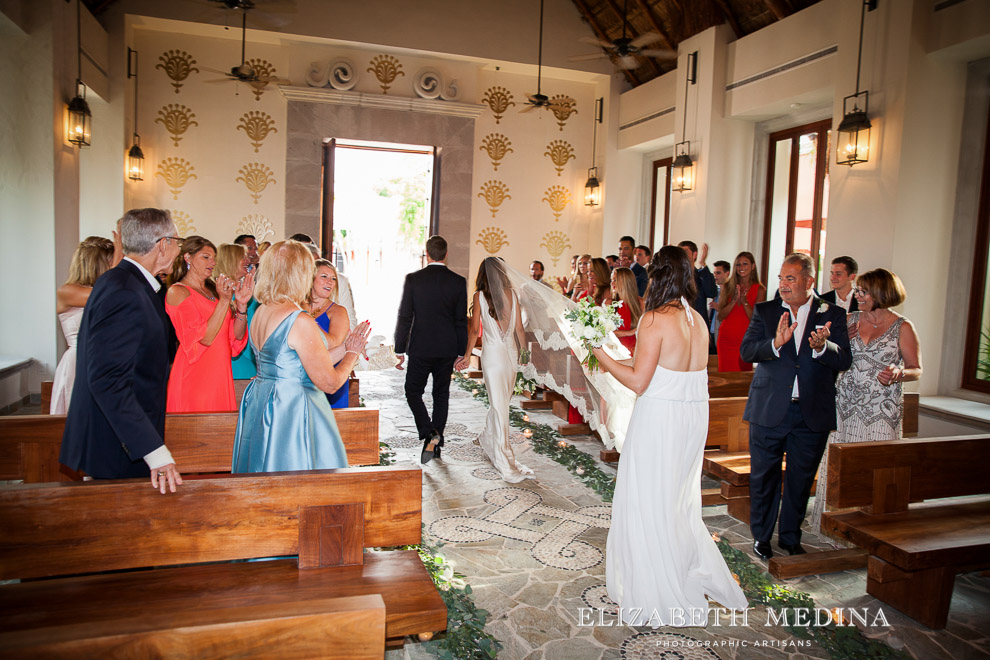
{"points": [[533, 554]]}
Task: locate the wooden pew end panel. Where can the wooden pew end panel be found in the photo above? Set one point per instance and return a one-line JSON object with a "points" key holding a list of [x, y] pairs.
{"points": [[923, 595], [331, 535]]}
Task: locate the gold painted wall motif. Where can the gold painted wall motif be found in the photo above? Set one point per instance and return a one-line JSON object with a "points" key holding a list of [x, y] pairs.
{"points": [[494, 193], [386, 69], [262, 69], [177, 119], [492, 239], [257, 225], [563, 106], [557, 197], [184, 225], [256, 177], [497, 146], [177, 65], [498, 99], [559, 151], [257, 125], [555, 242], [176, 172]]}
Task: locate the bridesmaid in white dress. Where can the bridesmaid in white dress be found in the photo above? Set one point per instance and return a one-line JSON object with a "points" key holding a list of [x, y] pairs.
{"points": [[661, 564], [496, 311], [93, 257]]}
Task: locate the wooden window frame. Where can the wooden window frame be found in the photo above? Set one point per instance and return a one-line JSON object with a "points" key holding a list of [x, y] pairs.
{"points": [[979, 279], [657, 165]]}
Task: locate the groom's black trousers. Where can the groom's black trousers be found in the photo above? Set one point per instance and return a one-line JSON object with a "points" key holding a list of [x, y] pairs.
{"points": [[417, 371]]}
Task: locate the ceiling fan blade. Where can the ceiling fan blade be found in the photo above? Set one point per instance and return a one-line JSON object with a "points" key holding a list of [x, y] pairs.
{"points": [[628, 62], [594, 41], [586, 58], [206, 68], [659, 53], [528, 106], [644, 39], [220, 80]]}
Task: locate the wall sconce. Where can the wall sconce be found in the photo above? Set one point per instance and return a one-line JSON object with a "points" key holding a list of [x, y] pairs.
{"points": [[592, 189], [135, 157], [853, 144], [78, 118], [682, 178]]}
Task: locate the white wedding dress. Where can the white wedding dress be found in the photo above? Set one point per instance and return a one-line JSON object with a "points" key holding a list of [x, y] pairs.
{"points": [[499, 357], [661, 561], [65, 372]]}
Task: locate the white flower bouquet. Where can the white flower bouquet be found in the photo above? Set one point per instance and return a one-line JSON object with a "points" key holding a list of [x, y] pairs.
{"points": [[591, 325]]}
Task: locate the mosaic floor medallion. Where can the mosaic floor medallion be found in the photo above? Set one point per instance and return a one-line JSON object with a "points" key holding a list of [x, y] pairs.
{"points": [[596, 598], [487, 473], [460, 431], [553, 545], [403, 442], [464, 453], [665, 646]]}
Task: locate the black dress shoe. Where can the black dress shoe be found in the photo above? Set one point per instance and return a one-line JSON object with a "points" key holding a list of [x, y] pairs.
{"points": [[429, 448], [792, 550], [763, 549], [436, 452]]}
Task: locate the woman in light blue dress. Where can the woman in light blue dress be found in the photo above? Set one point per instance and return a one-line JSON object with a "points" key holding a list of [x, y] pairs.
{"points": [[285, 421]]}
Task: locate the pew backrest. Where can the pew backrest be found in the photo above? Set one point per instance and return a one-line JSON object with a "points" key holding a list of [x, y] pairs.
{"points": [[727, 430], [887, 476], [314, 514]]}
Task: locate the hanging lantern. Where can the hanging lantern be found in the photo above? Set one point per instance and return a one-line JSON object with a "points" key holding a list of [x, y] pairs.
{"points": [[592, 190], [682, 178], [853, 145], [135, 160], [78, 118]]}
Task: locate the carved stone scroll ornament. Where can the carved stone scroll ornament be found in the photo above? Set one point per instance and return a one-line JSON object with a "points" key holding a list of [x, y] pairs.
{"points": [[429, 84], [337, 73]]}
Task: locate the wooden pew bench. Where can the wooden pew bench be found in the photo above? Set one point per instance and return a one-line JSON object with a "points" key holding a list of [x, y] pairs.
{"points": [[730, 464], [915, 550], [199, 442], [333, 595]]}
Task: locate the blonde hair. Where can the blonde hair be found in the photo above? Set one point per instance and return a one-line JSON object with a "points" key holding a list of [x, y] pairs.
{"points": [[90, 260], [323, 263], [627, 291], [884, 287], [285, 274], [229, 257]]}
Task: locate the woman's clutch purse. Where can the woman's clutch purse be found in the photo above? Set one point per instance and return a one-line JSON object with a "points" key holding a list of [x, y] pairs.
{"points": [[381, 356]]}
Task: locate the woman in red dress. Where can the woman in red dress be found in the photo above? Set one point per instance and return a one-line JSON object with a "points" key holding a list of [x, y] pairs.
{"points": [[599, 283], [735, 308], [209, 329], [624, 288]]}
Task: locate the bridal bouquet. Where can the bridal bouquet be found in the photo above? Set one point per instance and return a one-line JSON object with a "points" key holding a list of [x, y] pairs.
{"points": [[591, 325]]}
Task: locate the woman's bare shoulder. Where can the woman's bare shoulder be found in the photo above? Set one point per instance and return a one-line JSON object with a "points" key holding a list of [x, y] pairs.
{"points": [[176, 294]]}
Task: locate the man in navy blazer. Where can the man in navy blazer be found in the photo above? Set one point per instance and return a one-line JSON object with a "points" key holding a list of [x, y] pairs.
{"points": [[432, 328], [115, 428], [799, 345]]}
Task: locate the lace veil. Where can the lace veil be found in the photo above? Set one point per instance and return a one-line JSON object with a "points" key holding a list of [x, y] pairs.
{"points": [[555, 357]]}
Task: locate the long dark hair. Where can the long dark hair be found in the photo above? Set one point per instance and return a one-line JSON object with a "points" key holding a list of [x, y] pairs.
{"points": [[603, 279], [180, 268], [481, 283], [671, 277]]}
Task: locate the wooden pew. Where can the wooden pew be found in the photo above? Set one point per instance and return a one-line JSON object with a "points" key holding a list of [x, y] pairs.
{"points": [[199, 442], [914, 551], [728, 458], [326, 517]]}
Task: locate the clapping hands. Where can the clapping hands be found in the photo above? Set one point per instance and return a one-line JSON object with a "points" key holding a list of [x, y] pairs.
{"points": [[819, 336], [785, 330], [357, 339]]}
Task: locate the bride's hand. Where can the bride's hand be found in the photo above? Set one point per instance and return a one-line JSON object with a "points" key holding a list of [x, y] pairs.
{"points": [[462, 363]]}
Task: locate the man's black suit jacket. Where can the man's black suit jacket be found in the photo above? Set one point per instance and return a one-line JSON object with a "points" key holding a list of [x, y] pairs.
{"points": [[830, 298], [773, 381], [432, 319], [117, 413]]}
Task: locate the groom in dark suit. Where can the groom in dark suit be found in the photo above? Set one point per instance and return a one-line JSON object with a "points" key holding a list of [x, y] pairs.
{"points": [[116, 423], [432, 329], [799, 345]]}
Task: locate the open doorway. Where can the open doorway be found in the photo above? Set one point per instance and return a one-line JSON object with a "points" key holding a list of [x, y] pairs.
{"points": [[377, 216]]}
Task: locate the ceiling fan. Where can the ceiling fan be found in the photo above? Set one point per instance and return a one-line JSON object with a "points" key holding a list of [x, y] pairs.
{"points": [[539, 100], [244, 72], [625, 49]]}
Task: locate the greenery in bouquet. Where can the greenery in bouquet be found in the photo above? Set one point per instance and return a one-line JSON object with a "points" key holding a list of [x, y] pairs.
{"points": [[591, 325]]}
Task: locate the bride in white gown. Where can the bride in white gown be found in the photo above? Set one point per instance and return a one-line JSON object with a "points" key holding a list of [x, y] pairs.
{"points": [[661, 563], [496, 310]]}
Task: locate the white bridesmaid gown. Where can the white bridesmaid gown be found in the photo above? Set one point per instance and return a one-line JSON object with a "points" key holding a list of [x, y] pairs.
{"points": [[499, 358], [661, 561], [65, 372]]}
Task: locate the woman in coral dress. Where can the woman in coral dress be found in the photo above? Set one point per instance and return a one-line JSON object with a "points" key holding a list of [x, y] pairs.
{"points": [[735, 308], [210, 331]]}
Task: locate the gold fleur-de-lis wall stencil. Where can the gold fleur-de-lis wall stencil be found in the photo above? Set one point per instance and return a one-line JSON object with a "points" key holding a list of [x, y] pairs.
{"points": [[497, 146], [256, 178], [555, 242], [183, 223], [177, 65], [386, 69], [176, 172], [498, 99], [563, 107], [262, 69], [494, 192], [557, 197], [257, 225], [559, 151], [492, 239], [177, 119], [257, 125]]}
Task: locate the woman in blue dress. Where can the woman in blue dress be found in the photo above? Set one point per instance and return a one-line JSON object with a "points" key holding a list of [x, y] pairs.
{"points": [[285, 421], [331, 317]]}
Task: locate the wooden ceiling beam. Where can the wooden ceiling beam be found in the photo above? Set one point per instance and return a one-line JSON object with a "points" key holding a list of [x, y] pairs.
{"points": [[587, 15], [667, 42], [726, 10], [779, 8], [632, 35]]}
